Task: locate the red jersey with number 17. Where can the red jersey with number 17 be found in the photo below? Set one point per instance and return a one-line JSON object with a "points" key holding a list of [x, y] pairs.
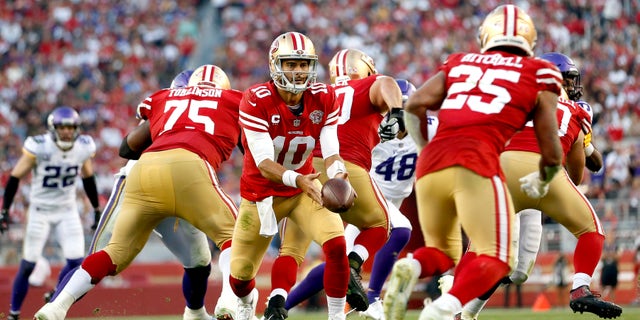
{"points": [[489, 97], [294, 135], [199, 119], [359, 121], [570, 119]]}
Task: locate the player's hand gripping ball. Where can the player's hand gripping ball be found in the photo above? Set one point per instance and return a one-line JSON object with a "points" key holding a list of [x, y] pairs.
{"points": [[338, 195]]}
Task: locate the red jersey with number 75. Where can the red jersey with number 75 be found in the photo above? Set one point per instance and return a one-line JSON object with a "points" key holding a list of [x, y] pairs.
{"points": [[199, 119], [293, 134], [489, 98]]}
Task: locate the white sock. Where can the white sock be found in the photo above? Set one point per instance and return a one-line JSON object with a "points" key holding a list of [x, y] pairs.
{"points": [[336, 305], [361, 251], [474, 306], [224, 263], [580, 279], [78, 285], [279, 291]]}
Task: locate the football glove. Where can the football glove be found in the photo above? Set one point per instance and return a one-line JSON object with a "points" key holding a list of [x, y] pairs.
{"points": [[96, 218], [388, 129], [4, 220], [533, 187]]}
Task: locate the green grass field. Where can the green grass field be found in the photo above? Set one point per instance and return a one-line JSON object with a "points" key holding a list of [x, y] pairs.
{"points": [[629, 313]]}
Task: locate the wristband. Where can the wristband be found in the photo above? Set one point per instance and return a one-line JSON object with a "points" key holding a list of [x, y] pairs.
{"points": [[588, 150], [289, 178], [335, 168]]}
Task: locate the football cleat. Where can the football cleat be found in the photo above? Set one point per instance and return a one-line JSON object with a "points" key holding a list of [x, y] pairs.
{"points": [[356, 295], [13, 316], [50, 311], [434, 312], [226, 307], [374, 312], [445, 283], [48, 295], [583, 300], [199, 314], [404, 276], [247, 311], [275, 309]]}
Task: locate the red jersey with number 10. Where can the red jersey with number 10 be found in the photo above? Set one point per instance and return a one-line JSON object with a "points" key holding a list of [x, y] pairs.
{"points": [[199, 119], [489, 97], [293, 135]]}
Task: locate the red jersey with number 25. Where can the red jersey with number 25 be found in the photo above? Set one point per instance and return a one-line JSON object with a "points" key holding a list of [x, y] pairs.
{"points": [[489, 97], [570, 119], [359, 121], [199, 119], [294, 136]]}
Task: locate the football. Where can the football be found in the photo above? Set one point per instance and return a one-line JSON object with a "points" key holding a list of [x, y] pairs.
{"points": [[337, 195]]}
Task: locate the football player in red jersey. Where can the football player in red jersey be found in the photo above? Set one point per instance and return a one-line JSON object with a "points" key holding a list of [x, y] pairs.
{"points": [[564, 203], [484, 99], [193, 130], [365, 97], [282, 121]]}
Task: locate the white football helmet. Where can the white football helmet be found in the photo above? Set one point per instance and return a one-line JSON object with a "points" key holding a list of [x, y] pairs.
{"points": [[209, 75], [291, 46], [350, 64], [508, 26]]}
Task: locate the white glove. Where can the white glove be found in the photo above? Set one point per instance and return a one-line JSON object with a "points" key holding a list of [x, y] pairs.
{"points": [[388, 129], [533, 186]]}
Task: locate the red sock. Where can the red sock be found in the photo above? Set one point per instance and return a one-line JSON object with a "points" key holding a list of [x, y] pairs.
{"points": [[433, 261], [336, 271], [98, 266], [242, 288], [284, 273], [466, 257], [587, 253], [477, 276], [372, 239]]}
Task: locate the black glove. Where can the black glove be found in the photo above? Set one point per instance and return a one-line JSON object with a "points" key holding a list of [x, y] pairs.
{"points": [[4, 220], [96, 218], [388, 129]]}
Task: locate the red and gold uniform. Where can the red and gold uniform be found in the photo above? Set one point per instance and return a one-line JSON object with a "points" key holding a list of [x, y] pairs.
{"points": [[358, 134], [489, 98], [294, 137], [564, 203], [193, 130]]}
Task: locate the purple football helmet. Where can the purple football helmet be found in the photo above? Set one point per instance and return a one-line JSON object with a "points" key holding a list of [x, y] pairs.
{"points": [[569, 72], [64, 116], [406, 87], [181, 80]]}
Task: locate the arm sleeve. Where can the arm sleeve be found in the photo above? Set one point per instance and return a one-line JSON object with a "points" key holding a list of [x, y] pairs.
{"points": [[260, 145], [329, 141], [90, 188], [10, 192]]}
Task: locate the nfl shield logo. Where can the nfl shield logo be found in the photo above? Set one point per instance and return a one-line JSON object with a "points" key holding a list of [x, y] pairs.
{"points": [[296, 122]]}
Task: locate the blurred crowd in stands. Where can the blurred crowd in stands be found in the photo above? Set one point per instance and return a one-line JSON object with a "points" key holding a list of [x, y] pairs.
{"points": [[103, 57]]}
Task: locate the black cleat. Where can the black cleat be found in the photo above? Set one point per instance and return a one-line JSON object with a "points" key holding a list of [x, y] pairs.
{"points": [[275, 309], [356, 295], [13, 316], [583, 300], [48, 295]]}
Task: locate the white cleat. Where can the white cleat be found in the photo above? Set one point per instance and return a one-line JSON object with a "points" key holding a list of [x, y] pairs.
{"points": [[445, 283], [403, 278], [247, 311], [50, 311], [199, 314], [374, 312], [226, 307], [434, 312]]}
